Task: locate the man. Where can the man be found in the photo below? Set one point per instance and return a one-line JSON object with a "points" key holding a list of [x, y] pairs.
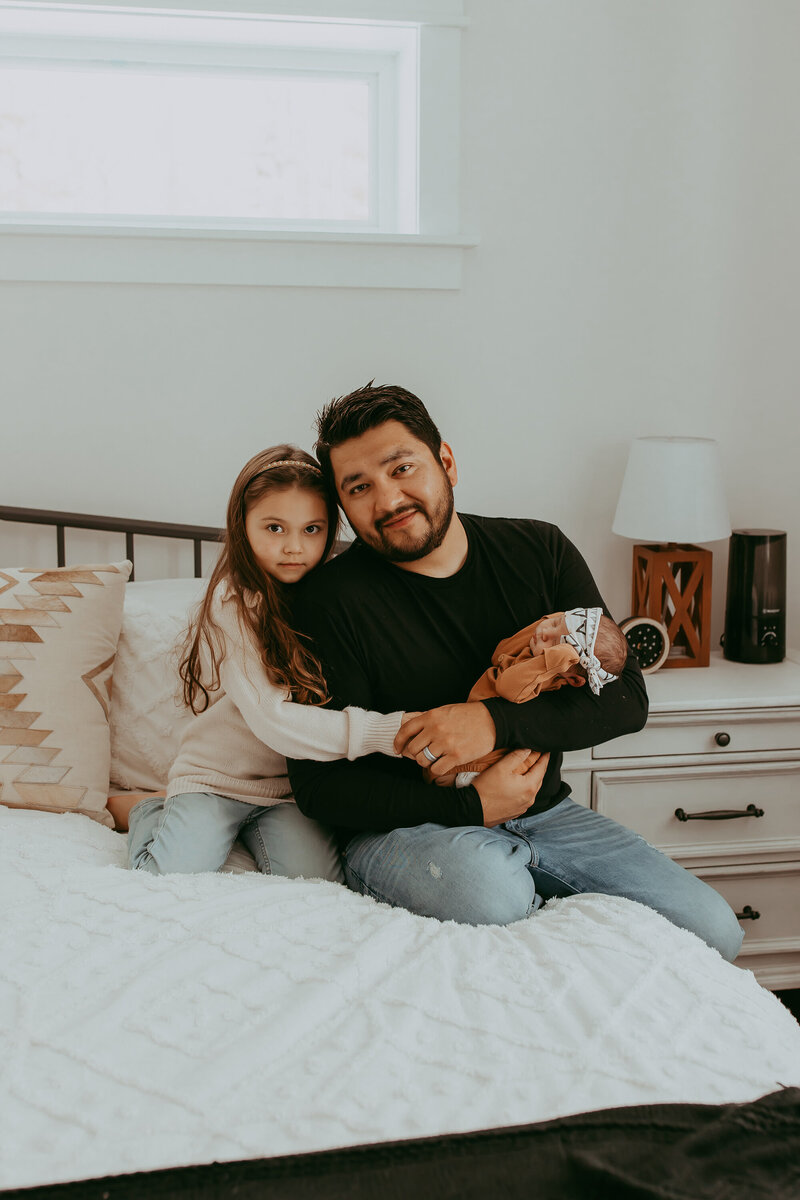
{"points": [[407, 618]]}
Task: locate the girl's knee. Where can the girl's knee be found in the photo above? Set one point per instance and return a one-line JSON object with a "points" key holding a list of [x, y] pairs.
{"points": [[144, 862], [144, 820], [189, 834], [321, 861], [285, 842], [158, 859]]}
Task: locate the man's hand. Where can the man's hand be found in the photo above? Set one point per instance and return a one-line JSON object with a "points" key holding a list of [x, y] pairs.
{"points": [[509, 788], [454, 734]]}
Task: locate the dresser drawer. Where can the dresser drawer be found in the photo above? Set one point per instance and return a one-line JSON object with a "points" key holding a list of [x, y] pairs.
{"points": [[646, 801], [580, 783], [720, 733], [775, 897]]}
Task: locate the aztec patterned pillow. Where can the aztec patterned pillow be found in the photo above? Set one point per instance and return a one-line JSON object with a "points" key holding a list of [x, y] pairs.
{"points": [[58, 640]]}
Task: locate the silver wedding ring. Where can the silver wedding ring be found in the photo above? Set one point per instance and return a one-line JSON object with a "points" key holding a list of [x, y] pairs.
{"points": [[426, 750]]}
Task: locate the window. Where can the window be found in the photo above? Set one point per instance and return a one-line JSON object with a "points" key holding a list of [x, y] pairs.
{"points": [[134, 131], [182, 144]]}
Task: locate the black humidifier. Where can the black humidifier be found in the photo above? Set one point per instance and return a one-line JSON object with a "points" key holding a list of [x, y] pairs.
{"points": [[755, 610]]}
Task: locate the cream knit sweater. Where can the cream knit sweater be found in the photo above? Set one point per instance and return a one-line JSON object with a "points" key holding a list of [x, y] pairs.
{"points": [[236, 747]]}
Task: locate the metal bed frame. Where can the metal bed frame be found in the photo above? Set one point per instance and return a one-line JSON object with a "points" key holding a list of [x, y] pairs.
{"points": [[62, 521]]}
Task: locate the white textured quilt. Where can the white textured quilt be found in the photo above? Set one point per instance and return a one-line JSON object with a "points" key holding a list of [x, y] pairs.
{"points": [[154, 1022]]}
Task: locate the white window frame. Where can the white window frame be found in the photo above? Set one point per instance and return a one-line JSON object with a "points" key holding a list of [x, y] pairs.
{"points": [[415, 240]]}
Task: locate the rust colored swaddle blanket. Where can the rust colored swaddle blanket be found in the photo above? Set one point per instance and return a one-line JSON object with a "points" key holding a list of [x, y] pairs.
{"points": [[517, 674]]}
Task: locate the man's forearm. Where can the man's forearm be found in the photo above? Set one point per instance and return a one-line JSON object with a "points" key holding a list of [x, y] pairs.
{"points": [[572, 718], [363, 796]]}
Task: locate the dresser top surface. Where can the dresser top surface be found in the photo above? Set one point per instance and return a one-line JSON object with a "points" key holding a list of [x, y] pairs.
{"points": [[726, 684]]}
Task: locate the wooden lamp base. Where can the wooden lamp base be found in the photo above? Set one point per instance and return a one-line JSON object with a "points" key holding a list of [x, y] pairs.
{"points": [[672, 584]]}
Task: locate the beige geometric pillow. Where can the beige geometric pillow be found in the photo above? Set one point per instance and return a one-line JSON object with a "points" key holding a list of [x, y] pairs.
{"points": [[58, 639]]}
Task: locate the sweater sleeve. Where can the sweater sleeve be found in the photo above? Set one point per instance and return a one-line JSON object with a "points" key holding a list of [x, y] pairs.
{"points": [[294, 730], [573, 718]]}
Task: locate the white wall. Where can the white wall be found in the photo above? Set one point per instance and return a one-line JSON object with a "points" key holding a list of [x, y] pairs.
{"points": [[630, 167]]}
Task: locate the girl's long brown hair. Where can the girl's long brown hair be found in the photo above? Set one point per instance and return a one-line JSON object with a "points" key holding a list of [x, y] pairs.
{"points": [[286, 659]]}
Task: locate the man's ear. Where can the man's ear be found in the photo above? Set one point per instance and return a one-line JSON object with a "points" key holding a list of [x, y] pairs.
{"points": [[449, 463], [575, 677]]}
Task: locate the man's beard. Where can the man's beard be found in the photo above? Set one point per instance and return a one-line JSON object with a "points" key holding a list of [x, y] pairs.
{"points": [[438, 522]]}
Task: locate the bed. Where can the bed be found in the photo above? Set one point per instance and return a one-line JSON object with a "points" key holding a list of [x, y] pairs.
{"points": [[299, 1035]]}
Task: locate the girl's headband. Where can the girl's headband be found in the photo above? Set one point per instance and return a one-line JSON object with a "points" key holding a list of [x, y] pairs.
{"points": [[293, 462], [583, 624]]}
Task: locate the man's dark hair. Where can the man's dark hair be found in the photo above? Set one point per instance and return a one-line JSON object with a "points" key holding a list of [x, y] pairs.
{"points": [[350, 416]]}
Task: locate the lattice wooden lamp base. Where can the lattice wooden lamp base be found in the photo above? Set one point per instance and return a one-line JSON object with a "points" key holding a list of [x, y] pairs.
{"points": [[673, 494], [672, 584]]}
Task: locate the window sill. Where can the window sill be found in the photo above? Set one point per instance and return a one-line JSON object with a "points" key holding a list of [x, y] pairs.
{"points": [[238, 258]]}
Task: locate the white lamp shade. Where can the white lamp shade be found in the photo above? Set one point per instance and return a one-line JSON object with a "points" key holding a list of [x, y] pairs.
{"points": [[673, 492]]}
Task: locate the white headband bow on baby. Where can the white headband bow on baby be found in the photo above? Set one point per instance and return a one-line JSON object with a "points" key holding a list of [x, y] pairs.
{"points": [[583, 624]]}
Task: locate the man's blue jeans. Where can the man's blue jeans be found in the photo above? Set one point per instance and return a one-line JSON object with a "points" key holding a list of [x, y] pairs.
{"points": [[495, 876]]}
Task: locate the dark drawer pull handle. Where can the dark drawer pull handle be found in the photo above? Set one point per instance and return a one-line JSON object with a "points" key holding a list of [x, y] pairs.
{"points": [[720, 814], [722, 739], [748, 914]]}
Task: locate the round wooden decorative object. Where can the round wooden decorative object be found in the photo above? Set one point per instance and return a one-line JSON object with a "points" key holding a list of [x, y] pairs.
{"points": [[648, 640]]}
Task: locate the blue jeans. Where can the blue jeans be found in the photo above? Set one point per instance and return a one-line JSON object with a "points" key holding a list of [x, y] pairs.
{"points": [[194, 832], [496, 876]]}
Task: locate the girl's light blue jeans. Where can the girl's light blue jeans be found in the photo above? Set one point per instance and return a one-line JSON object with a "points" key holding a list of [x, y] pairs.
{"points": [[496, 876], [194, 832]]}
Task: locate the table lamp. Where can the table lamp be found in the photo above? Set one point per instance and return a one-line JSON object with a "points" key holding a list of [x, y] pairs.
{"points": [[673, 493]]}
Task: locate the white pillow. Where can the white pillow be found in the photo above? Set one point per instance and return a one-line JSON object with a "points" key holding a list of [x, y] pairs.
{"points": [[146, 715]]}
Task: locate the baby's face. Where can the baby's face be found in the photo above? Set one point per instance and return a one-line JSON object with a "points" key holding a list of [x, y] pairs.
{"points": [[548, 632]]}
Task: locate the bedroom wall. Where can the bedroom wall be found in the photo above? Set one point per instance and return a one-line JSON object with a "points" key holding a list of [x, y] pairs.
{"points": [[630, 169]]}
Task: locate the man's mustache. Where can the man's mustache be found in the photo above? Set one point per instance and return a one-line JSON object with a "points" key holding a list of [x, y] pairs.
{"points": [[398, 512]]}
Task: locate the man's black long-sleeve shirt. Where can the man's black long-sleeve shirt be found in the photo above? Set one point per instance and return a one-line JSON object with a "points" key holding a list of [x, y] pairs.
{"points": [[392, 639]]}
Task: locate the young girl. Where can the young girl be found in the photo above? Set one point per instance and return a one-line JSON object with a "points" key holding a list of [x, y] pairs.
{"points": [[252, 686]]}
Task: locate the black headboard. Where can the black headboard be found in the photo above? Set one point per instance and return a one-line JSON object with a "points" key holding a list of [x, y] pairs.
{"points": [[64, 520]]}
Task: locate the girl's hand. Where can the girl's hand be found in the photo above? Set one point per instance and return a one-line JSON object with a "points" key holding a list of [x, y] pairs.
{"points": [[453, 734]]}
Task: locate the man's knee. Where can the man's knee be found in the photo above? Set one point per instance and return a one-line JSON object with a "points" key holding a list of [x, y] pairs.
{"points": [[491, 901], [718, 926], [471, 876], [701, 909]]}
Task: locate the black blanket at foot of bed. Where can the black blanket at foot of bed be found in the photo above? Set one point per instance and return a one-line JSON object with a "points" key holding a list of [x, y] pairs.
{"points": [[664, 1151]]}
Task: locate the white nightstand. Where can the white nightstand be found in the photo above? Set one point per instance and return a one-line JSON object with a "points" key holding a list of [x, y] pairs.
{"points": [[719, 739]]}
